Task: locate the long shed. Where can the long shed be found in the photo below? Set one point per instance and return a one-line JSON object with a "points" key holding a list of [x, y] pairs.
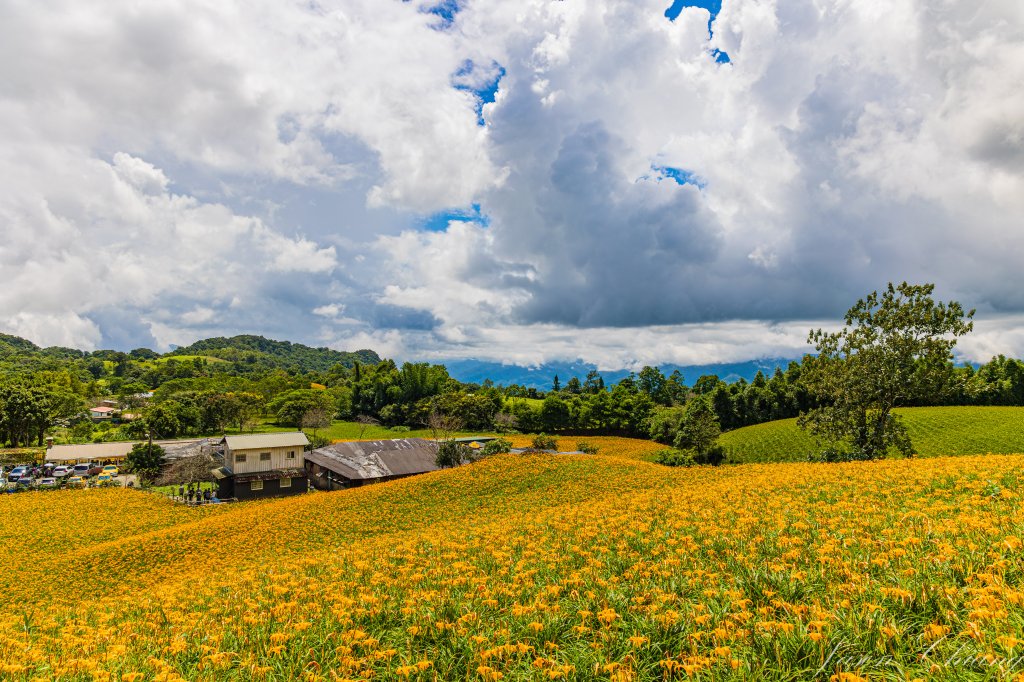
{"points": [[349, 465]]}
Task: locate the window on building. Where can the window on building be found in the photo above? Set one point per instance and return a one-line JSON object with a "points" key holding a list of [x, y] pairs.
{"points": [[286, 483], [256, 485], [239, 457], [291, 454], [264, 456]]}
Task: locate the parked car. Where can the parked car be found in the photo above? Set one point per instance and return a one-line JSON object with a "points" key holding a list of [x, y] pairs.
{"points": [[111, 470], [104, 478], [16, 473], [62, 471], [82, 470], [76, 482], [25, 480], [48, 483]]}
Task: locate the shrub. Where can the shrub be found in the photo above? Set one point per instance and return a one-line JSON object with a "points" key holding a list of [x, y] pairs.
{"points": [[544, 442], [674, 457], [452, 454], [317, 440], [686, 457], [399, 429], [496, 447], [586, 448]]}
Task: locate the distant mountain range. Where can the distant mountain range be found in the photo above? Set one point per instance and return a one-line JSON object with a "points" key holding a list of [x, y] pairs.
{"points": [[250, 350], [541, 377]]}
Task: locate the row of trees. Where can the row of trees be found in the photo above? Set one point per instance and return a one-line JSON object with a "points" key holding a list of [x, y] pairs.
{"points": [[896, 349]]}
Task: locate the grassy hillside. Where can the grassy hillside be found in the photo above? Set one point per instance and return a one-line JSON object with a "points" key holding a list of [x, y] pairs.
{"points": [[529, 568], [934, 431], [187, 358]]}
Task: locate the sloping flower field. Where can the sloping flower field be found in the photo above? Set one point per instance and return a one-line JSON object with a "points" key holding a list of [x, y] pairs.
{"points": [[533, 568]]}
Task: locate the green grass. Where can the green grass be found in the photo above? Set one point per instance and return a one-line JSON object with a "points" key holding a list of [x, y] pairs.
{"points": [[934, 431], [346, 430], [532, 402], [188, 358]]}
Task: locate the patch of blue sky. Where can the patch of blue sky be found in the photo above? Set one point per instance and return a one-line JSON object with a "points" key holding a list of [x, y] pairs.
{"points": [[438, 222], [677, 6], [680, 175], [485, 91], [445, 10], [713, 7]]}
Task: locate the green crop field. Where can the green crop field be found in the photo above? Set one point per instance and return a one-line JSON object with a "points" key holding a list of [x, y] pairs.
{"points": [[934, 431]]}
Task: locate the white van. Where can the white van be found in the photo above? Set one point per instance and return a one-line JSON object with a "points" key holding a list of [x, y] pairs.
{"points": [[82, 470]]}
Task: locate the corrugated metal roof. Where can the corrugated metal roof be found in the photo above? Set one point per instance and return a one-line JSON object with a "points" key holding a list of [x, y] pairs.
{"points": [[66, 453], [267, 440], [365, 460], [180, 449], [173, 449]]}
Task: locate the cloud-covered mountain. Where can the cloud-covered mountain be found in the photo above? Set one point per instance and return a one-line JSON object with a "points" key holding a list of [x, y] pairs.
{"points": [[542, 376]]}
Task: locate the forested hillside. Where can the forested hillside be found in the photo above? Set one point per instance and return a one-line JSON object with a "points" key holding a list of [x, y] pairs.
{"points": [[285, 355]]}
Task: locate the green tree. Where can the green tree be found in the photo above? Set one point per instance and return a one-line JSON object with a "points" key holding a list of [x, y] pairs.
{"points": [[894, 349], [25, 413], [594, 382], [699, 430], [554, 413], [573, 386], [652, 382], [145, 460], [249, 406], [664, 422], [163, 420], [293, 407]]}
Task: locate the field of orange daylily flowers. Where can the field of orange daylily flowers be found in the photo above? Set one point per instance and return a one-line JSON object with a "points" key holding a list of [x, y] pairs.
{"points": [[536, 567]]}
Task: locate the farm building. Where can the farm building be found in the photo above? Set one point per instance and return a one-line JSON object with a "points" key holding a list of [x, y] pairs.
{"points": [[262, 465], [102, 413], [100, 453], [115, 452], [349, 465]]}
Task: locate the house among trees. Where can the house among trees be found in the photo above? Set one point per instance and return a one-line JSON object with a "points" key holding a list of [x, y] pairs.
{"points": [[350, 465], [262, 465], [102, 413]]}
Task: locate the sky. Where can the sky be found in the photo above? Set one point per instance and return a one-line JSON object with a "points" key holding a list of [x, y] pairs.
{"points": [[624, 182]]}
